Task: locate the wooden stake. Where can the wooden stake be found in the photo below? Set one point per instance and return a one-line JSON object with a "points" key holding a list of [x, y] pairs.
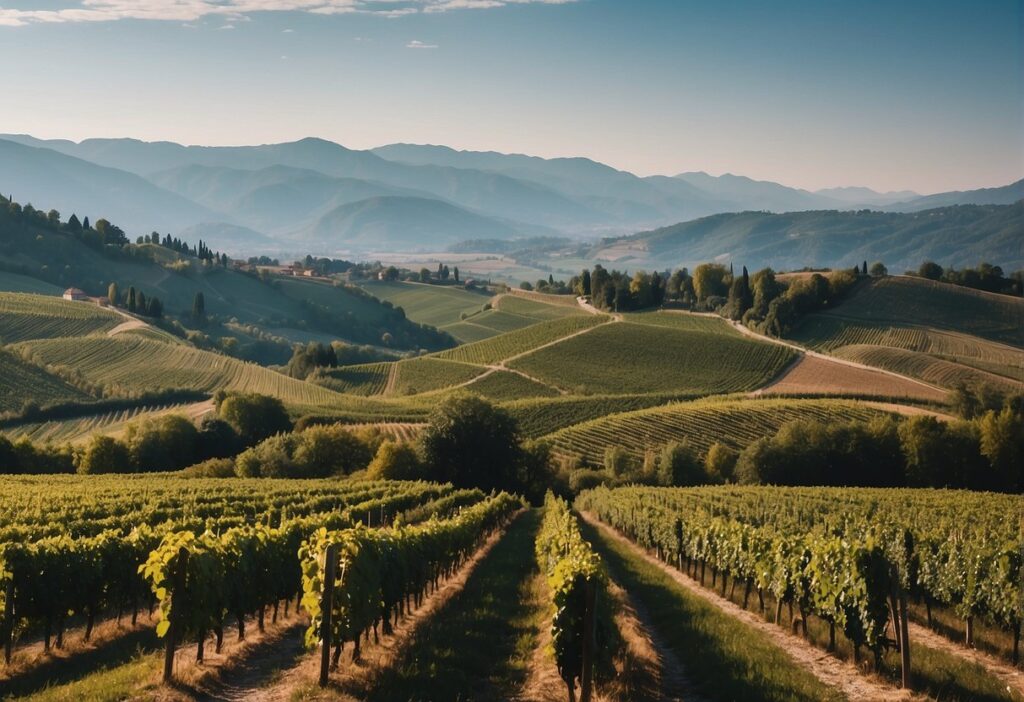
{"points": [[589, 644], [177, 602], [326, 605], [8, 632]]}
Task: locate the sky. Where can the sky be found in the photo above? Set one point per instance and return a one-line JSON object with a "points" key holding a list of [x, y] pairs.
{"points": [[893, 95]]}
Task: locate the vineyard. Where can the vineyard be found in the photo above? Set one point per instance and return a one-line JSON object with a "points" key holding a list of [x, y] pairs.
{"points": [[505, 385], [506, 346], [144, 365], [22, 382], [425, 374], [850, 558], [364, 379], [930, 369], [24, 317], [735, 423], [644, 358], [78, 429]]}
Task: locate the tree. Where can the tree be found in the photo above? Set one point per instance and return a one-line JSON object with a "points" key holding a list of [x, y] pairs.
{"points": [[395, 461], [217, 439], [424, 275], [720, 463], [445, 273], [471, 443], [584, 282], [141, 302], [322, 451], [640, 290], [617, 461], [709, 280], [199, 308], [1002, 443], [104, 454], [155, 308], [112, 294], [930, 270], [679, 465], [131, 298], [162, 444], [878, 270], [73, 224], [255, 417], [85, 224], [455, 273]]}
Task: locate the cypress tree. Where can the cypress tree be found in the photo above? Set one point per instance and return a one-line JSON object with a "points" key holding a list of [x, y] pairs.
{"points": [[199, 307], [112, 294], [131, 299]]}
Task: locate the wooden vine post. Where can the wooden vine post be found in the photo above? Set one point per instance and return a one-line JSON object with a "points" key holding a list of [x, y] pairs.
{"points": [[898, 607], [326, 607], [589, 643], [177, 602], [8, 632]]}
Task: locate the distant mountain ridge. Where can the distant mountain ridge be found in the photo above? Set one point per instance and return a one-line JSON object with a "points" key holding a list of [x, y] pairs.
{"points": [[287, 191]]}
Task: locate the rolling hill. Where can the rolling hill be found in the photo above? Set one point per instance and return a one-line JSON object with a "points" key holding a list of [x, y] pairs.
{"points": [[412, 223], [960, 236]]}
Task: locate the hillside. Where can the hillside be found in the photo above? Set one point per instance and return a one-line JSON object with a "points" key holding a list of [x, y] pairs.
{"points": [[47, 253], [958, 236], [48, 179], [390, 221], [1005, 195], [940, 333]]}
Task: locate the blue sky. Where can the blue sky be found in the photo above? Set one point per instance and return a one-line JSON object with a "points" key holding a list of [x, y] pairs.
{"points": [[900, 94]]}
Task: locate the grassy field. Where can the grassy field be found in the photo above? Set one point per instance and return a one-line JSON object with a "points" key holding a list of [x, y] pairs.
{"points": [[13, 282], [506, 385], [734, 422], [506, 346], [143, 365], [436, 305], [643, 358], [22, 382], [24, 317]]}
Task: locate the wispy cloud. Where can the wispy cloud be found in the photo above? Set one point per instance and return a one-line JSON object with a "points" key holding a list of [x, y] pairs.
{"points": [[417, 44], [191, 10]]}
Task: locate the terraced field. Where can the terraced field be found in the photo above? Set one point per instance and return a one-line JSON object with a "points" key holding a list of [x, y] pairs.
{"points": [[22, 382], [736, 423], [928, 368], [365, 379], [506, 346], [642, 358], [506, 385], [25, 316], [128, 365], [424, 374]]}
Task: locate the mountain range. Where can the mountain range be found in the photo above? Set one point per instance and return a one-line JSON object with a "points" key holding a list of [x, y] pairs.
{"points": [[317, 196]]}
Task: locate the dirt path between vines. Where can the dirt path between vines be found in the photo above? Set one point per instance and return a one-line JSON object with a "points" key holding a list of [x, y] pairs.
{"points": [[389, 387], [831, 671], [272, 672], [1006, 673]]}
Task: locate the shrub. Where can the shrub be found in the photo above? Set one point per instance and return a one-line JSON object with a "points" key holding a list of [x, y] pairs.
{"points": [[395, 461]]}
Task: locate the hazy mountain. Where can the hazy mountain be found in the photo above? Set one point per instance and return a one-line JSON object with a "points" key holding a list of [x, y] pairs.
{"points": [[1004, 195], [72, 185], [959, 236], [277, 199], [412, 222], [750, 194], [230, 238], [866, 196], [488, 192]]}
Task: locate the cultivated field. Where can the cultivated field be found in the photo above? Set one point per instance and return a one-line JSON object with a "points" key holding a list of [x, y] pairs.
{"points": [[640, 358], [24, 317], [931, 369], [814, 375], [505, 346], [22, 382], [364, 379], [735, 423]]}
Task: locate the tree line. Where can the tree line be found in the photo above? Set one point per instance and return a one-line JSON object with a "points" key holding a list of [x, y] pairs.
{"points": [[986, 277]]}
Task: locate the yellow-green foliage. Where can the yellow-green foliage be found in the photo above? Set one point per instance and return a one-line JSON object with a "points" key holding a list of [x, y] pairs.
{"points": [[621, 358], [735, 423]]}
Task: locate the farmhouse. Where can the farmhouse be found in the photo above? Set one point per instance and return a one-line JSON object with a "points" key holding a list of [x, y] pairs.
{"points": [[74, 294]]}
